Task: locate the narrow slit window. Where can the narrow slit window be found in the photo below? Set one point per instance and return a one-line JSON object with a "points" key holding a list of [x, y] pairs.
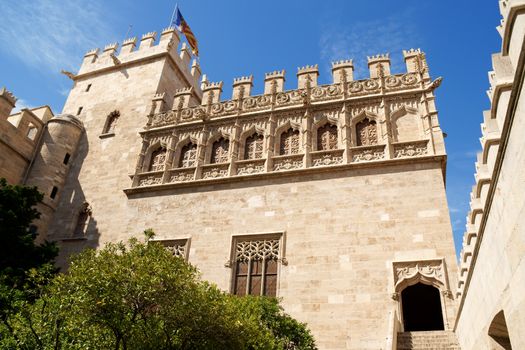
{"points": [[88, 87], [66, 158], [54, 192], [79, 110]]}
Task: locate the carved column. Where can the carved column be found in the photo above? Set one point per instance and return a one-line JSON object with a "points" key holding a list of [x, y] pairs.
{"points": [[389, 151], [234, 143], [346, 133], [170, 154], [270, 143], [140, 161], [201, 152], [307, 138]]}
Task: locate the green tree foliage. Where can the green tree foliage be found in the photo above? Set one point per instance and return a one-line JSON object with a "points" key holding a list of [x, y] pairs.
{"points": [[24, 266], [140, 296]]}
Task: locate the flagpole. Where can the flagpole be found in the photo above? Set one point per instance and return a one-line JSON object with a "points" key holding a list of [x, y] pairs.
{"points": [[173, 14]]}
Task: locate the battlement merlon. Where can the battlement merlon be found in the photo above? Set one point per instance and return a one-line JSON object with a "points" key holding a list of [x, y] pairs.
{"points": [[305, 74], [416, 62], [343, 68], [182, 97], [7, 103], [274, 81], [242, 87], [379, 65], [148, 50], [8, 95], [211, 92]]}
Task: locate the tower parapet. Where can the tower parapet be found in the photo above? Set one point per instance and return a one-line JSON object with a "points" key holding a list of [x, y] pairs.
{"points": [[379, 65], [274, 81], [342, 71], [242, 87], [7, 103], [307, 73], [211, 92]]}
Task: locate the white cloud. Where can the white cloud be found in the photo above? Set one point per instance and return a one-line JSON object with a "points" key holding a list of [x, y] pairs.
{"points": [[388, 35], [53, 34], [21, 104]]}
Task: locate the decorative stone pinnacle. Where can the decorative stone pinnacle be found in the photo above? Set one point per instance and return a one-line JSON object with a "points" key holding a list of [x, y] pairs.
{"points": [[92, 52], [342, 63], [168, 30], [411, 52], [275, 74], [159, 96], [112, 46], [129, 41], [184, 91], [8, 95], [307, 69], [149, 35], [209, 85], [243, 80], [378, 58]]}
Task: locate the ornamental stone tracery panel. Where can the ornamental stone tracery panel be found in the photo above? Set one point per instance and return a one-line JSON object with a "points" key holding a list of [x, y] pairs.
{"points": [[253, 147], [158, 159], [220, 151], [366, 132], [290, 142], [327, 137], [188, 156]]}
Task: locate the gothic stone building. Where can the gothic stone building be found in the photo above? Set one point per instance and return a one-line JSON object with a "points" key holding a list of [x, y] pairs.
{"points": [[330, 197]]}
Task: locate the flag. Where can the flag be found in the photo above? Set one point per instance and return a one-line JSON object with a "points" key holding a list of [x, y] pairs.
{"points": [[184, 28]]}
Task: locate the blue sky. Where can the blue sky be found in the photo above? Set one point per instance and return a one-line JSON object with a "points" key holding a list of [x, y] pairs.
{"points": [[237, 38]]}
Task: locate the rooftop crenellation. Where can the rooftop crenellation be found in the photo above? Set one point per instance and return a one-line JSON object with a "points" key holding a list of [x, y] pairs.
{"points": [[8, 95]]}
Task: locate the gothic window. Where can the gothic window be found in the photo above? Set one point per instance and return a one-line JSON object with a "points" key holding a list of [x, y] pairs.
{"points": [[111, 122], [289, 142], [327, 137], [219, 151], [158, 158], [255, 269], [366, 132], [82, 220], [188, 156], [178, 247], [253, 148]]}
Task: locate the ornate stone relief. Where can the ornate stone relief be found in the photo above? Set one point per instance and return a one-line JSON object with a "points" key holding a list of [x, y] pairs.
{"points": [[368, 153], [327, 159], [431, 271], [412, 149], [150, 180], [215, 172], [267, 249], [288, 163], [162, 119], [182, 175], [253, 167]]}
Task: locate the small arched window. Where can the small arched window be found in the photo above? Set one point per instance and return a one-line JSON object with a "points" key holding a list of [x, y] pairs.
{"points": [[253, 148], [219, 151], [111, 122], [289, 142], [188, 156], [366, 131], [158, 158], [327, 137]]}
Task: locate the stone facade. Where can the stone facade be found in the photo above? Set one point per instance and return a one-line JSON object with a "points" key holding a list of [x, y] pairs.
{"points": [[491, 281], [331, 197]]}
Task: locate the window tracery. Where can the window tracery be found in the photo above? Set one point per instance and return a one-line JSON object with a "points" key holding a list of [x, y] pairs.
{"points": [[219, 151], [327, 137], [256, 267], [158, 158], [188, 156], [289, 142], [366, 131], [253, 148]]}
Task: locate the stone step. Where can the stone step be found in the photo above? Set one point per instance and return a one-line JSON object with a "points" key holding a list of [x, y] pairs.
{"points": [[427, 340]]}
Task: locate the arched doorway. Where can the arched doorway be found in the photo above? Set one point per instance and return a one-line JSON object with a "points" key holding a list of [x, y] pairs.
{"points": [[422, 308], [499, 334]]}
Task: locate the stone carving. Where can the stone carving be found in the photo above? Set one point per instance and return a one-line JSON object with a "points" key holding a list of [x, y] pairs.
{"points": [[366, 132], [162, 119], [188, 156], [412, 149], [254, 167], [327, 137], [433, 271], [220, 151], [177, 250], [288, 163], [263, 249], [151, 180], [327, 159], [158, 159], [182, 175], [289, 142], [253, 148], [368, 153], [215, 172]]}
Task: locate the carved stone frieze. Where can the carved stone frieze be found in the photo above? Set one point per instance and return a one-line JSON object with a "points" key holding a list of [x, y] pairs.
{"points": [[262, 249], [215, 171], [327, 158], [182, 175], [150, 180], [288, 162], [411, 149], [251, 167], [360, 154], [410, 272], [162, 119]]}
